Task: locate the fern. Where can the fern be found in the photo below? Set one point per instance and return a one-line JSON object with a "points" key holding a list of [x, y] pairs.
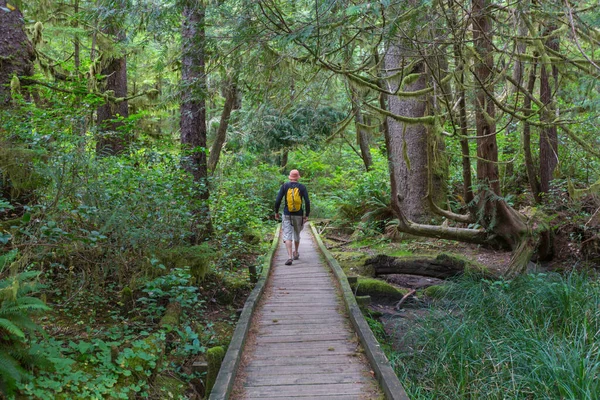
{"points": [[16, 309]]}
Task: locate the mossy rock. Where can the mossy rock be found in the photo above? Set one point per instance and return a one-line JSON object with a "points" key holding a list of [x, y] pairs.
{"points": [[196, 257], [378, 289], [214, 357], [353, 263], [436, 291]]}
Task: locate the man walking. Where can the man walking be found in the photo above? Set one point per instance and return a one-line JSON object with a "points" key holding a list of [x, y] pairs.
{"points": [[296, 210]]}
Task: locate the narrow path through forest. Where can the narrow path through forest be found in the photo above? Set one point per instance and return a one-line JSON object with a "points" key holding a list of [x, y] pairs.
{"points": [[301, 343]]}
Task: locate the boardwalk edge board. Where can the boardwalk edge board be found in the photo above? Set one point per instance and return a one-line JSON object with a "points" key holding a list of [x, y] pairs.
{"points": [[226, 377], [384, 373]]}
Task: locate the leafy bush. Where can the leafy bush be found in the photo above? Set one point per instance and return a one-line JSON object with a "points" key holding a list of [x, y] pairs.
{"points": [[241, 207], [175, 286]]}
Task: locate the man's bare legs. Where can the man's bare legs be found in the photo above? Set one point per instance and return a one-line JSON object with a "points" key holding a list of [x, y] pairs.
{"points": [[288, 246]]}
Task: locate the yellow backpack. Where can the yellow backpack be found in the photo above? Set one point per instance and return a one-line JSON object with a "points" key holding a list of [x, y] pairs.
{"points": [[293, 199]]}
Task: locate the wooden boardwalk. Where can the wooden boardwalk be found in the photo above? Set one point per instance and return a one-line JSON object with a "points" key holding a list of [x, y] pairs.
{"points": [[301, 344]]}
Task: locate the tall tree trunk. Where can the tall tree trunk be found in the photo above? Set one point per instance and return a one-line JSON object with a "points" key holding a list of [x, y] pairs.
{"points": [[362, 136], [16, 51], [193, 110], [529, 166], [487, 147], [548, 134], [112, 140], [76, 41], [230, 91], [407, 143]]}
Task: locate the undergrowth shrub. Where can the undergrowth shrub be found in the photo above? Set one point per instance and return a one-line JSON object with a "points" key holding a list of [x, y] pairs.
{"points": [[242, 205], [106, 217], [535, 337]]}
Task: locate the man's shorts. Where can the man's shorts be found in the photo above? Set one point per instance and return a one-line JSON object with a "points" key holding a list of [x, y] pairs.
{"points": [[292, 226]]}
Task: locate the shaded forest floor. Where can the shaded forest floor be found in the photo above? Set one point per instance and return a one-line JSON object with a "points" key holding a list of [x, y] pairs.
{"points": [[397, 320]]}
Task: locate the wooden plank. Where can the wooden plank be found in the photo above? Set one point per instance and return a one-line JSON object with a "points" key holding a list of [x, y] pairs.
{"points": [[282, 331], [304, 359], [337, 389], [342, 367], [310, 351], [324, 397], [305, 379], [283, 316], [306, 337], [300, 322]]}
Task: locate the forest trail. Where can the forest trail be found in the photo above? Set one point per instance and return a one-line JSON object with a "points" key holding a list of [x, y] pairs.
{"points": [[301, 343]]}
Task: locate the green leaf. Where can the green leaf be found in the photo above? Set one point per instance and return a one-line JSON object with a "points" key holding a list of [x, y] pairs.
{"points": [[11, 328]]}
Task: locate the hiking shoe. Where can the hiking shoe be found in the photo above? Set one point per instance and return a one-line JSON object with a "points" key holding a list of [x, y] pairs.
{"points": [[288, 262], [296, 256]]}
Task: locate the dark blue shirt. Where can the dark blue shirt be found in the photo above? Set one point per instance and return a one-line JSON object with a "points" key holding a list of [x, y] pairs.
{"points": [[281, 195]]}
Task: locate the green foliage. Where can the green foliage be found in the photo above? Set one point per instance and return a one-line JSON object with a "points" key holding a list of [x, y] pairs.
{"points": [[534, 336], [93, 369], [302, 125], [343, 189], [175, 286], [16, 325], [241, 206]]}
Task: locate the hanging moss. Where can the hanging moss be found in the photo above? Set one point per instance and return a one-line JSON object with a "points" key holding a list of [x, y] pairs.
{"points": [[214, 357]]}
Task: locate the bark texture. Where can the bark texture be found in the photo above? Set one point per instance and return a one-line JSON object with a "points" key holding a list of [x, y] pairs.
{"points": [[441, 267], [407, 143], [487, 147], [112, 141], [548, 134], [193, 110], [231, 93], [16, 52], [362, 135]]}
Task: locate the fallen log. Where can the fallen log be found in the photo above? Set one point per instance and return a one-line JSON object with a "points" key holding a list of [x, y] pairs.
{"points": [[442, 267]]}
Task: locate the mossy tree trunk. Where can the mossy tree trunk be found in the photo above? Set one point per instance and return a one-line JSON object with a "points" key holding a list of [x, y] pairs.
{"points": [[406, 142], [193, 111], [16, 52], [362, 135], [112, 139], [230, 92]]}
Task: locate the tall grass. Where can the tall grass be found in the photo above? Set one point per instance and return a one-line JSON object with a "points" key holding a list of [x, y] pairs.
{"points": [[537, 337]]}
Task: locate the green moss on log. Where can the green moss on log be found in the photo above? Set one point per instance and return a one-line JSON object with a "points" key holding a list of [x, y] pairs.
{"points": [[169, 387], [127, 299], [353, 263], [377, 288], [214, 357], [172, 315]]}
